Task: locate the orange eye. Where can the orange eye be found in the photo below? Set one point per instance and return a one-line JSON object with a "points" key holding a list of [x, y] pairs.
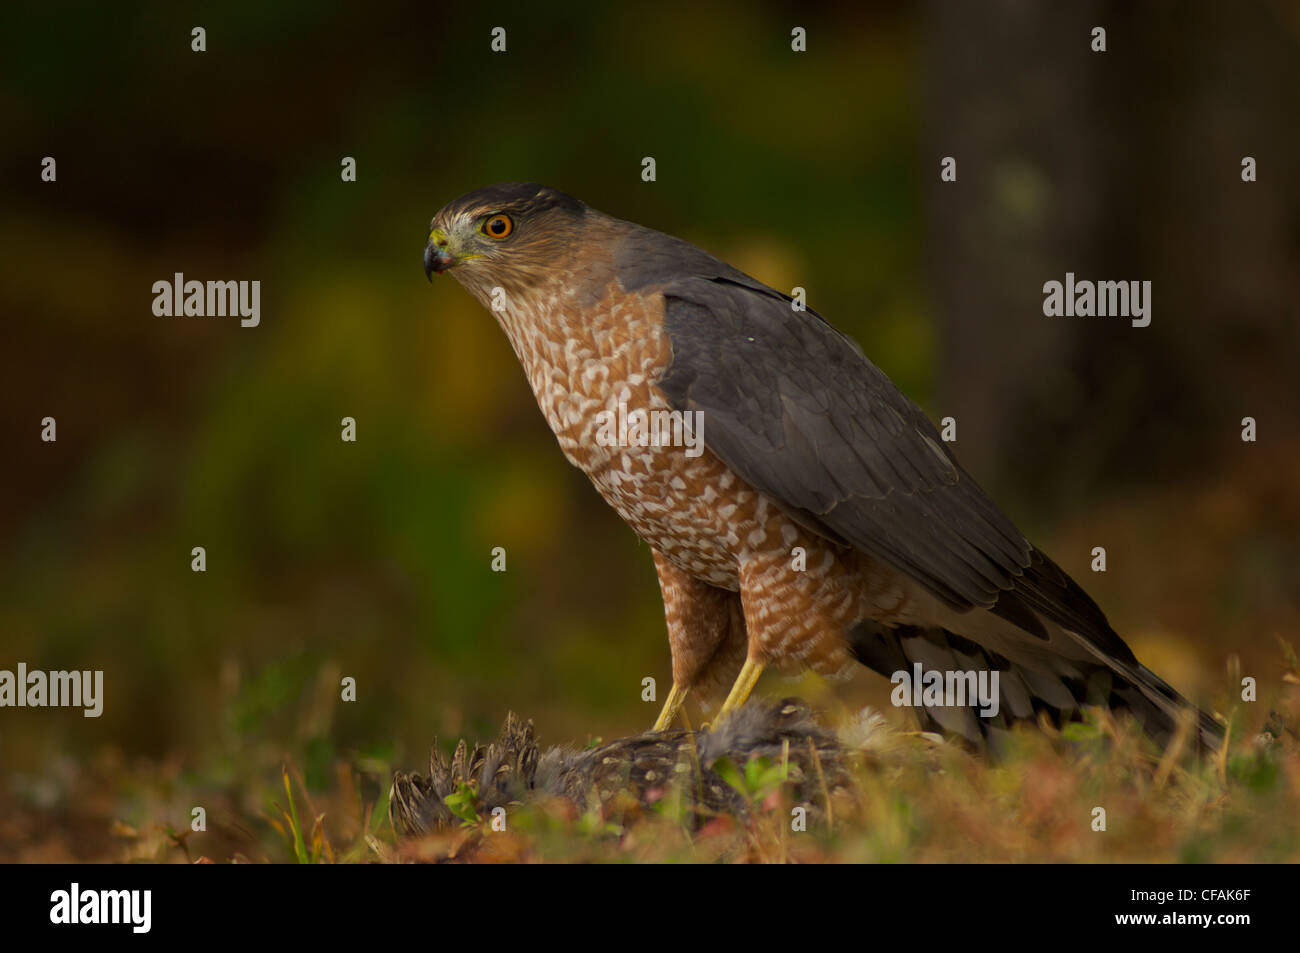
{"points": [[498, 226]]}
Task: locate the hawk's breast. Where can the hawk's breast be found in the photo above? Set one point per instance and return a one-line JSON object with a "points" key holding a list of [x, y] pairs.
{"points": [[593, 370]]}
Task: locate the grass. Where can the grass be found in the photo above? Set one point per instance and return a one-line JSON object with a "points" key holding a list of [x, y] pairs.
{"points": [[914, 798]]}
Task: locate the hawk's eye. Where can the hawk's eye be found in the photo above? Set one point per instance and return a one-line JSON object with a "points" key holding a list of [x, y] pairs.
{"points": [[498, 226]]}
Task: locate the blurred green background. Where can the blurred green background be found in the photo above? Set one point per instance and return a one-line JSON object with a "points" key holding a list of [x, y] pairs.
{"points": [[371, 559]]}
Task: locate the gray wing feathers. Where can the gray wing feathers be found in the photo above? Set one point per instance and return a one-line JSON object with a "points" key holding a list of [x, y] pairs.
{"points": [[797, 410]]}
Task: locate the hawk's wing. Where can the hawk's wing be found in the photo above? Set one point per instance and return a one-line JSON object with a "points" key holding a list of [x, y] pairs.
{"points": [[795, 408]]}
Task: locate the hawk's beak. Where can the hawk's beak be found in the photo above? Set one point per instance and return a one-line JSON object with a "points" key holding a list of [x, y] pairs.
{"points": [[437, 254]]}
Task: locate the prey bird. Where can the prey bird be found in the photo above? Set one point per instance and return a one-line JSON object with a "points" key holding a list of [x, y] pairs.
{"points": [[514, 769], [825, 523]]}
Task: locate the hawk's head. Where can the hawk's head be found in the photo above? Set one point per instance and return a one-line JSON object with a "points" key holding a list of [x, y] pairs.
{"points": [[503, 234]]}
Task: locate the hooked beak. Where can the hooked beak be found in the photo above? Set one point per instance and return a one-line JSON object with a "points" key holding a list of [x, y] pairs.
{"points": [[437, 254]]}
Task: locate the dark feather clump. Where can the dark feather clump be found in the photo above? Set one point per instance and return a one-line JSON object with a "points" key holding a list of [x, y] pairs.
{"points": [[645, 767]]}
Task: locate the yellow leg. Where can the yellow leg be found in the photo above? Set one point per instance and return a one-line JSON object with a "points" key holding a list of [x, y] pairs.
{"points": [[745, 683], [674, 703]]}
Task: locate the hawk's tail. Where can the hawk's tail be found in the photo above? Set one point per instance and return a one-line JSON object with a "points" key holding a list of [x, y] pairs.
{"points": [[1023, 694]]}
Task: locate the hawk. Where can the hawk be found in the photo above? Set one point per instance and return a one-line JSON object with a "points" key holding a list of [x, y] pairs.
{"points": [[825, 522]]}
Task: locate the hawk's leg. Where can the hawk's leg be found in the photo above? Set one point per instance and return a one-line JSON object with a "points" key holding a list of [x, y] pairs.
{"points": [[676, 698], [756, 574], [794, 611], [706, 635], [744, 684]]}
